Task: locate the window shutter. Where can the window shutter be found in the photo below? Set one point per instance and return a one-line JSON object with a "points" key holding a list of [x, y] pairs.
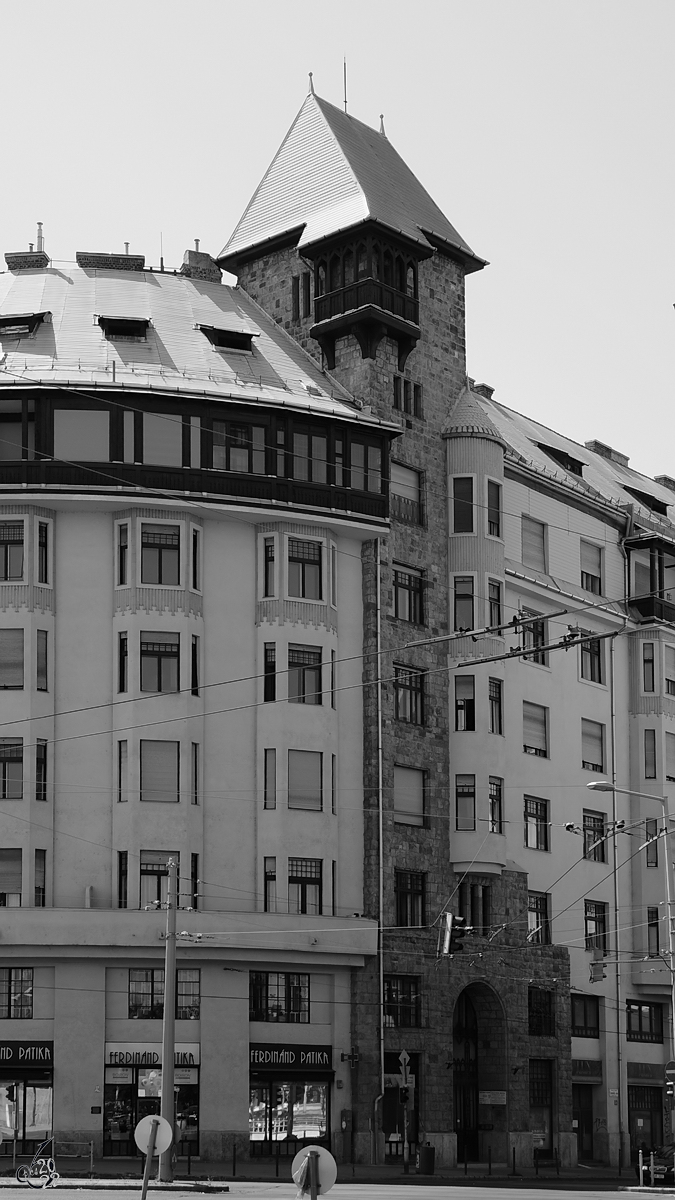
{"points": [[590, 559], [11, 658], [10, 871], [670, 756], [304, 779], [591, 743], [534, 544], [405, 482], [159, 771], [408, 796], [534, 726]]}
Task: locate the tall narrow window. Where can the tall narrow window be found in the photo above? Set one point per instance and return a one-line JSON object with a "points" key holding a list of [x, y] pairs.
{"points": [[463, 603], [398, 392], [304, 675], [418, 408], [652, 839], [42, 660], [194, 881], [536, 823], [534, 544], [409, 695], [592, 745], [270, 673], [305, 892], [40, 878], [653, 932], [11, 659], [333, 576], [305, 782], [465, 800], [122, 554], [196, 561], [595, 845], [270, 870], [194, 666], [269, 566], [650, 754], [11, 551], [122, 772], [43, 552], [495, 604], [462, 505], [333, 661], [306, 297], [495, 724], [405, 493], [408, 595], [41, 769], [409, 893], [333, 888], [670, 757], [295, 298], [122, 662], [465, 704], [494, 509], [270, 784], [10, 880], [159, 771], [160, 554], [333, 784], [496, 818], [195, 781], [409, 796], [595, 925], [11, 768], [591, 660], [670, 671], [648, 666], [304, 569], [160, 662], [535, 638], [591, 567], [538, 921], [535, 739]]}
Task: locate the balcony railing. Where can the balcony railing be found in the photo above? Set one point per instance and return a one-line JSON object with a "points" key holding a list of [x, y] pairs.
{"points": [[406, 510], [654, 608], [365, 292]]}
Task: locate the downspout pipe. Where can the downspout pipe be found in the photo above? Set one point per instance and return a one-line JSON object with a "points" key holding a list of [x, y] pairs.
{"points": [[380, 835], [615, 878]]}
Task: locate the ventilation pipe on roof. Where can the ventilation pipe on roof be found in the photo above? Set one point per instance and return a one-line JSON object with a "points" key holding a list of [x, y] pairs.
{"points": [[126, 247], [197, 245], [40, 239]]}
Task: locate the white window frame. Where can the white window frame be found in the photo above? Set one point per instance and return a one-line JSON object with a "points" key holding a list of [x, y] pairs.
{"points": [[183, 556], [597, 546], [603, 663], [198, 591], [547, 549], [500, 484], [325, 568], [38, 521], [474, 503], [278, 545], [334, 573]]}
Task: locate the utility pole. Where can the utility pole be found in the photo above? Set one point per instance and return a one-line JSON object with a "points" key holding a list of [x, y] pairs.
{"points": [[165, 1174]]}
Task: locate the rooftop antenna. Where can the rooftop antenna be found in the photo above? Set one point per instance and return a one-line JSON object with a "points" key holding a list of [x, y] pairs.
{"points": [[382, 125], [311, 84], [161, 250], [344, 73], [40, 239]]}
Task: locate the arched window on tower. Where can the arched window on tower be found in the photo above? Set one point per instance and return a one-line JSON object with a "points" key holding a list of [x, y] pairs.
{"points": [[320, 283], [411, 281], [376, 261], [348, 267], [361, 261], [335, 273]]}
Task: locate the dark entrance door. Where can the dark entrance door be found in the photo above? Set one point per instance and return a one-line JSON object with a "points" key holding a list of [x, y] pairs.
{"points": [[645, 1119], [465, 1071], [582, 1116]]}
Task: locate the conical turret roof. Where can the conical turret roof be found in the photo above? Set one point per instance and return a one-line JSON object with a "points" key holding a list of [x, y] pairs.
{"points": [[469, 419]]}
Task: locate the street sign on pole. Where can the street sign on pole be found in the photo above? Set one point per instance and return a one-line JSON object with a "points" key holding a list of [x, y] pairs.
{"points": [[669, 1071], [404, 1059]]}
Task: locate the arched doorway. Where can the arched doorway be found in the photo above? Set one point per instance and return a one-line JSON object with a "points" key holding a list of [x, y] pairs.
{"points": [[479, 1067]]}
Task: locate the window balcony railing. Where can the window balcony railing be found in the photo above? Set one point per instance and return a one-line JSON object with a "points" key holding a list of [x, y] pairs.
{"points": [[654, 608], [365, 292]]}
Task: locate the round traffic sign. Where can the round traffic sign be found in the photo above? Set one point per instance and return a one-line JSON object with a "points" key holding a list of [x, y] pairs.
{"points": [[163, 1139], [669, 1070], [326, 1168]]}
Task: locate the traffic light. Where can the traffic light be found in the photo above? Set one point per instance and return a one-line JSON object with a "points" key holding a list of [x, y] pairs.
{"points": [[403, 1096], [597, 971], [670, 1090], [455, 930]]}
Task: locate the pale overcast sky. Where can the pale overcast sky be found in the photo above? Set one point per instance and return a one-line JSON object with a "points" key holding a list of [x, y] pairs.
{"points": [[542, 128]]}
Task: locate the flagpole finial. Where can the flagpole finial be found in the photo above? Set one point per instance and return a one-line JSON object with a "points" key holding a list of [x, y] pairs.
{"points": [[382, 125], [311, 84]]}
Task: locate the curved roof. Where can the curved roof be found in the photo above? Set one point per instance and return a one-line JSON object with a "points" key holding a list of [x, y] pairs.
{"points": [[332, 172], [69, 346], [468, 419]]}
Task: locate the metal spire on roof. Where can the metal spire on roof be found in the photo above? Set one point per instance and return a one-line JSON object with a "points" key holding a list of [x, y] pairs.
{"points": [[382, 125], [311, 84]]}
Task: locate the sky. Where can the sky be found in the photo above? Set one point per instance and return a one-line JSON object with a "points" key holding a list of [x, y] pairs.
{"points": [[542, 128]]}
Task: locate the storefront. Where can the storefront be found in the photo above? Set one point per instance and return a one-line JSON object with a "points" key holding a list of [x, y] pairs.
{"points": [[26, 1092], [290, 1088], [133, 1089]]}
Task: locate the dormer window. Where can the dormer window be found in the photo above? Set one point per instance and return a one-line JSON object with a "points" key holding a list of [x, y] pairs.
{"points": [[18, 325], [228, 339], [124, 329], [651, 502], [564, 460]]}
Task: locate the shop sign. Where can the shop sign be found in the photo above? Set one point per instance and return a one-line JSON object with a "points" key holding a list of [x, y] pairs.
{"points": [[492, 1098], [26, 1054], [119, 1075], [289, 1055], [149, 1054]]}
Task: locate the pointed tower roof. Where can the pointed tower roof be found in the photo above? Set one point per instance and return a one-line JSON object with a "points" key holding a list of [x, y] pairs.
{"points": [[331, 173], [469, 419]]}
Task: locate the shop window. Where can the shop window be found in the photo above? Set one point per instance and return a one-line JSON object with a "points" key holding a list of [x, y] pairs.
{"points": [[462, 505], [11, 769], [592, 745], [465, 802], [16, 993], [536, 823], [81, 435], [494, 509], [595, 844], [304, 675], [305, 780], [591, 568], [11, 551], [406, 494], [304, 569], [162, 440], [495, 700], [463, 603], [409, 695], [41, 769], [592, 666], [305, 891], [409, 796], [122, 554], [465, 703], [540, 1012], [585, 1016], [534, 544], [648, 666], [239, 448], [535, 732], [402, 1002], [644, 1022], [160, 555], [10, 878], [40, 878], [650, 753], [596, 925], [43, 552], [496, 805], [155, 876], [409, 595], [279, 996], [494, 604], [11, 659], [409, 893], [652, 839], [146, 993], [160, 657], [653, 932], [538, 919], [41, 663], [270, 884], [535, 637]]}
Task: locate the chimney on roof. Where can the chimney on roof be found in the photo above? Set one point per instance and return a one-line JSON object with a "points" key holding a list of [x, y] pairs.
{"points": [[607, 452], [197, 265], [40, 239], [666, 481], [484, 390], [126, 247]]}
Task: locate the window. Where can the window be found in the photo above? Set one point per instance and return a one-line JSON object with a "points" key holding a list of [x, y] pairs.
{"points": [[333, 575], [295, 298], [270, 883], [495, 721], [670, 757], [591, 568], [305, 779], [644, 1022], [11, 768], [43, 551], [16, 993], [652, 836], [402, 1007], [304, 569], [650, 754], [474, 905], [270, 783], [146, 993], [155, 876], [194, 666], [591, 661], [408, 595], [122, 554], [41, 769], [122, 662], [648, 666], [269, 566], [540, 1012], [162, 439], [494, 509], [196, 560], [495, 796], [11, 659], [462, 505], [306, 299], [465, 802], [310, 458], [195, 781], [188, 988], [534, 729], [494, 604], [592, 741], [407, 396], [538, 922], [304, 675], [595, 925], [366, 464], [279, 996], [270, 672], [42, 660], [465, 705], [409, 695], [40, 878], [11, 551], [305, 891], [122, 878], [536, 823], [534, 544], [463, 602], [409, 789], [333, 682], [670, 671], [159, 771], [160, 554], [595, 845], [653, 932], [160, 666], [81, 435], [409, 895], [535, 637], [10, 878], [405, 494], [585, 1016], [239, 448], [333, 784]]}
